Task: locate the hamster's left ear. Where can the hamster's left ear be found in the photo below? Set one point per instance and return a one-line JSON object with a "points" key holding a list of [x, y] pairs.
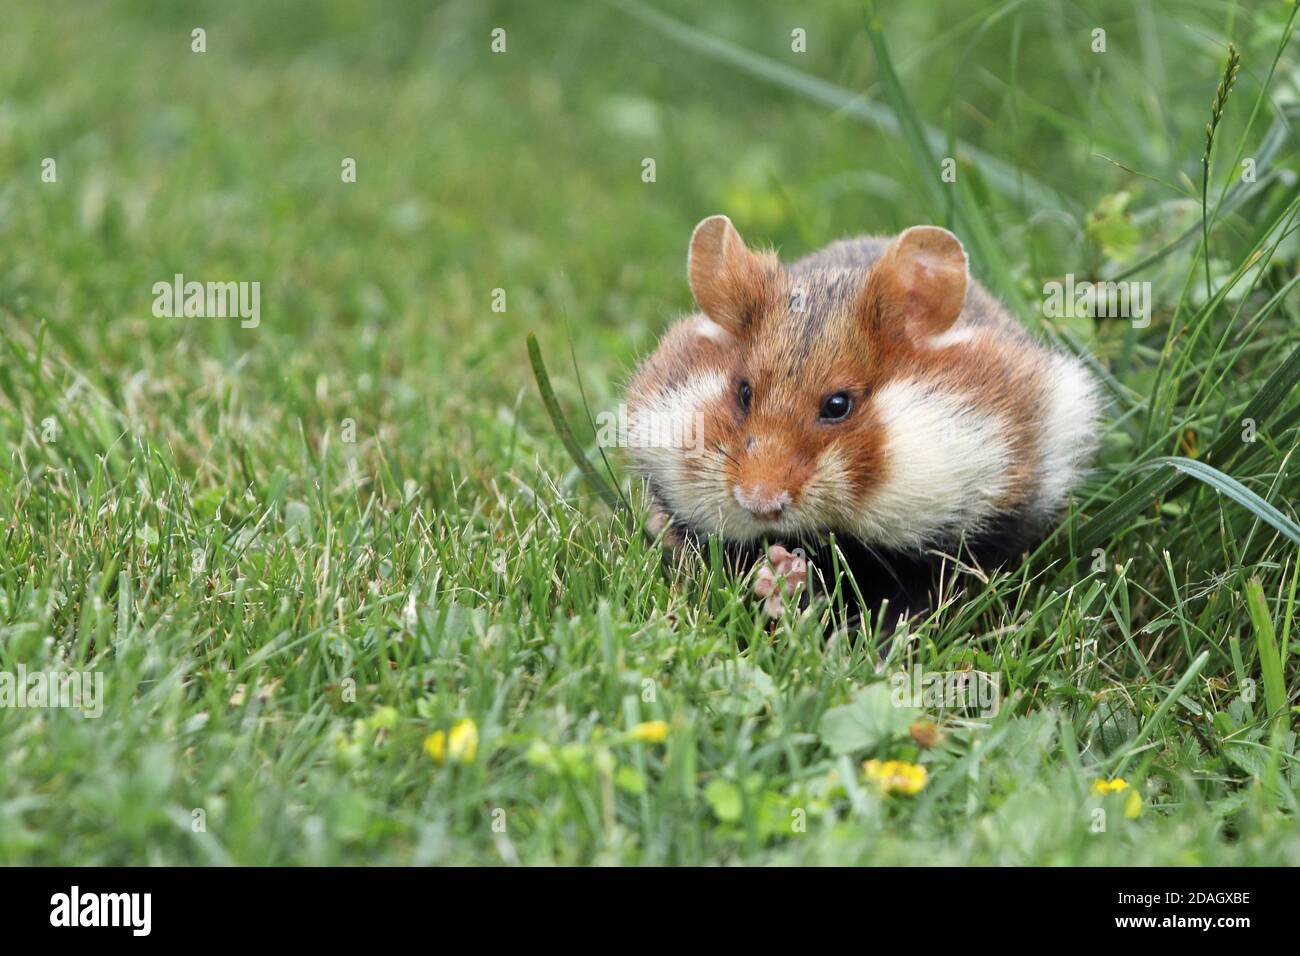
{"points": [[919, 283], [730, 283]]}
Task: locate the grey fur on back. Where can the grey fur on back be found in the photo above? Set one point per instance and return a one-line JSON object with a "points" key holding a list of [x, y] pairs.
{"points": [[834, 274], [859, 252]]}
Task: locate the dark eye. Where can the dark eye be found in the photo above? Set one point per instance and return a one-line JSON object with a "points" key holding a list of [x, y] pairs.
{"points": [[745, 396], [836, 407]]}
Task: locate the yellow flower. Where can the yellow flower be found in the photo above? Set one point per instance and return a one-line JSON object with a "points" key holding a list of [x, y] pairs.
{"points": [[650, 731], [897, 776], [435, 745], [462, 742], [460, 746], [1133, 805], [1102, 787]]}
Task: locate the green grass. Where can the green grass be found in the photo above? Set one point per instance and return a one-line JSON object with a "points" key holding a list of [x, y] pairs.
{"points": [[282, 617]]}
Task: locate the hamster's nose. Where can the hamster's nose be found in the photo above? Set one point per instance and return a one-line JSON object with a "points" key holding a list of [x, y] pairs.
{"points": [[761, 501]]}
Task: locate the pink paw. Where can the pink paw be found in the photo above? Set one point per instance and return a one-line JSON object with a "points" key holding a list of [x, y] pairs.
{"points": [[781, 573]]}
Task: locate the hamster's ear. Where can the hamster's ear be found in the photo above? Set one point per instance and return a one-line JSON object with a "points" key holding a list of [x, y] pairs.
{"points": [[730, 283], [919, 282]]}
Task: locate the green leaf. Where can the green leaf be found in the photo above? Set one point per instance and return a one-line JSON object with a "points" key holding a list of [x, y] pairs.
{"points": [[724, 798], [1249, 757], [629, 779], [743, 688], [867, 721], [1110, 226], [1115, 724]]}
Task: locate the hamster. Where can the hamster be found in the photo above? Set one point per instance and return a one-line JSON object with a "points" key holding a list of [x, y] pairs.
{"points": [[872, 391]]}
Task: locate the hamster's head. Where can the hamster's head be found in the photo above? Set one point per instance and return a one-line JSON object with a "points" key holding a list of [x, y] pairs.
{"points": [[772, 396]]}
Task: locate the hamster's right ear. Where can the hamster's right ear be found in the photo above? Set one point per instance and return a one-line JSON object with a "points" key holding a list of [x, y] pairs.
{"points": [[730, 283], [919, 283]]}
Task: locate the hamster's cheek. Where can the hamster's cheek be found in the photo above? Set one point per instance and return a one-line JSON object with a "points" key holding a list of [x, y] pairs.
{"points": [[859, 459]]}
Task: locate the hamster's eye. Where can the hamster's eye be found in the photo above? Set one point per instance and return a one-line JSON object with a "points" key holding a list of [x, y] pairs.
{"points": [[835, 407], [745, 395]]}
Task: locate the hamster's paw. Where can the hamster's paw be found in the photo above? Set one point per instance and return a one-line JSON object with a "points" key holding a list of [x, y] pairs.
{"points": [[658, 523], [781, 573]]}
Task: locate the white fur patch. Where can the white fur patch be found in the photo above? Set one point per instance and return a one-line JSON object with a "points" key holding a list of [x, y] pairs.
{"points": [[672, 420], [946, 467], [1069, 431], [707, 328], [667, 431], [958, 335]]}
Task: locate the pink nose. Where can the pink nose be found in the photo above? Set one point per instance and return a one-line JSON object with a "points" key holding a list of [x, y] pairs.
{"points": [[762, 503]]}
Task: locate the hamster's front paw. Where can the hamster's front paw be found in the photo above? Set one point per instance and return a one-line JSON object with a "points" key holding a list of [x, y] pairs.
{"points": [[781, 573], [659, 523]]}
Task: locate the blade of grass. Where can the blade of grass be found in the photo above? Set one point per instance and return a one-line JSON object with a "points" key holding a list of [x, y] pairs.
{"points": [[1270, 660], [582, 391], [1230, 487], [562, 428]]}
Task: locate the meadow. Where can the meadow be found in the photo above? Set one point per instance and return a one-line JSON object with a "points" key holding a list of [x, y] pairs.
{"points": [[351, 600]]}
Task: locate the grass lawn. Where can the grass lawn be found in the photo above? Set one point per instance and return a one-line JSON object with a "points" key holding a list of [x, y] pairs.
{"points": [[308, 556]]}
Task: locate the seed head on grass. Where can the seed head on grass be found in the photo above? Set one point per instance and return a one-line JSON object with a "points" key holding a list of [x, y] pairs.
{"points": [[1226, 83], [1216, 114]]}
